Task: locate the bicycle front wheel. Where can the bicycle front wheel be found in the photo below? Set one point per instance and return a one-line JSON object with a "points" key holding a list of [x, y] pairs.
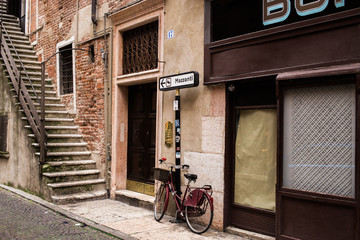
{"points": [[161, 202], [199, 218]]}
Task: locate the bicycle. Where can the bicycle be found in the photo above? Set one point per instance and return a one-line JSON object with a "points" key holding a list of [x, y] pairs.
{"points": [[196, 204]]}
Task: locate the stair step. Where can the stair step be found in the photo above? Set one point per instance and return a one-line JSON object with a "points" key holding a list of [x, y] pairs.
{"points": [[49, 112], [9, 16], [54, 119], [135, 199], [13, 28], [71, 163], [37, 91], [71, 173], [82, 144], [21, 50], [59, 120], [62, 154], [10, 23], [27, 67], [46, 104], [59, 136], [61, 127], [76, 183], [35, 85], [70, 198]]}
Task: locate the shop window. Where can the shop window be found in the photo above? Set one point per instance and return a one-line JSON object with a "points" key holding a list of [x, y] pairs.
{"points": [[3, 133], [140, 48], [255, 158], [66, 70], [255, 144], [319, 139]]}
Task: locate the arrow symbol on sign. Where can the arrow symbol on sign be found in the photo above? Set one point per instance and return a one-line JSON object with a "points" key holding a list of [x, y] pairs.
{"points": [[168, 82], [162, 83]]}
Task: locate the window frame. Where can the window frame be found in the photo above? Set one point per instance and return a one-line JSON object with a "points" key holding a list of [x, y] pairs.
{"points": [[125, 41], [66, 53], [317, 81]]}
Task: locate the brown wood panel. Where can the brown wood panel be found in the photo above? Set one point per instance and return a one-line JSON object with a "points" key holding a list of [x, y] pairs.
{"points": [[307, 44], [142, 133], [314, 220], [314, 49], [253, 220]]}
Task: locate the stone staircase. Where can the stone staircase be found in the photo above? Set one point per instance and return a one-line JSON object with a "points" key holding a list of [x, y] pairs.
{"points": [[69, 172]]}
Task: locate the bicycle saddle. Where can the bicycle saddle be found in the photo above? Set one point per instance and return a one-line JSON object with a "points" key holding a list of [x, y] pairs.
{"points": [[191, 177]]}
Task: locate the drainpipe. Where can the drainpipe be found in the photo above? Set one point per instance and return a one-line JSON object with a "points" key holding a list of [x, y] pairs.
{"points": [[107, 56], [77, 22]]}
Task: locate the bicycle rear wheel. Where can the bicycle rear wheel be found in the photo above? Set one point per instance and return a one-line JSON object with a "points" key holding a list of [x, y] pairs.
{"points": [[199, 218], [161, 202]]}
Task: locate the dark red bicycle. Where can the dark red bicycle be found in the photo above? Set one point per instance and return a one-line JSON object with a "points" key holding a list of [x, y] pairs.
{"points": [[196, 205]]}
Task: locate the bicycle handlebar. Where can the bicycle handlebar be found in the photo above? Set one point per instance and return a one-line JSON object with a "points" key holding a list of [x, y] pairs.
{"points": [[181, 166]]}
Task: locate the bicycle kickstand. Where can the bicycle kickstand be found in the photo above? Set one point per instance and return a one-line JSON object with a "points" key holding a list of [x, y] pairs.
{"points": [[177, 218]]}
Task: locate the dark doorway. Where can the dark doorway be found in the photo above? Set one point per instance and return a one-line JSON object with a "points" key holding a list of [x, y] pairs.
{"points": [[18, 9], [251, 159], [141, 137]]}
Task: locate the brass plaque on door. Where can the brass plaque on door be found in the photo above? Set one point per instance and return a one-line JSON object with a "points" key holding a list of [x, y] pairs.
{"points": [[168, 134]]}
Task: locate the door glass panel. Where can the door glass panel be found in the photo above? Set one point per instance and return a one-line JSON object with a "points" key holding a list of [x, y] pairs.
{"points": [[319, 139], [255, 158]]}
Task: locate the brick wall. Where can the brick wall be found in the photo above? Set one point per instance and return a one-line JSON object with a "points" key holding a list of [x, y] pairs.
{"points": [[56, 20]]}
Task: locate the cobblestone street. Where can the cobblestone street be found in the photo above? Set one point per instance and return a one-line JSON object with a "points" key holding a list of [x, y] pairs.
{"points": [[24, 219]]}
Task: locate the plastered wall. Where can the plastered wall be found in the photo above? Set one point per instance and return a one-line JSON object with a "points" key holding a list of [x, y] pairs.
{"points": [[202, 107], [19, 167]]}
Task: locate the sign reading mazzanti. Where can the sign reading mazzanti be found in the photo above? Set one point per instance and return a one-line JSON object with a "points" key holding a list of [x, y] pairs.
{"points": [[178, 81]]}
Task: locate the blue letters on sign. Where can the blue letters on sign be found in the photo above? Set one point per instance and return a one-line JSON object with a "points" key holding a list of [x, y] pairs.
{"points": [[275, 11]]}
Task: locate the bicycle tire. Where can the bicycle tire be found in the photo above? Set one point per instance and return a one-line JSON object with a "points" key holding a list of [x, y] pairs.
{"points": [[199, 218], [161, 202]]}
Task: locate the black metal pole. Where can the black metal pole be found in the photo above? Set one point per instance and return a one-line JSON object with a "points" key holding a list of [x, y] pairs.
{"points": [[177, 141]]}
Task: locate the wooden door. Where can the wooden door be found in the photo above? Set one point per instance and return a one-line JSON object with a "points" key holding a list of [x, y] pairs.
{"points": [[251, 157], [142, 133]]}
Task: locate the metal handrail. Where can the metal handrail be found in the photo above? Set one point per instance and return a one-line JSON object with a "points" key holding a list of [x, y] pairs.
{"points": [[37, 124], [21, 63]]}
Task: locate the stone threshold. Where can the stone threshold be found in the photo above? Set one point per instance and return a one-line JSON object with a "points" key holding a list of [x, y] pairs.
{"points": [[135, 199], [247, 234]]}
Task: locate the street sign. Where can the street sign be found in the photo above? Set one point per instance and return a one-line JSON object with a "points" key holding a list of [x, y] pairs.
{"points": [[178, 81]]}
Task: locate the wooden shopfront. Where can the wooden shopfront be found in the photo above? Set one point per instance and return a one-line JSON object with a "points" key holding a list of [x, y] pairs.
{"points": [[292, 71]]}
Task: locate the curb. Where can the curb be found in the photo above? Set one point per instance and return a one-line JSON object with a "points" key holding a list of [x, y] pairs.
{"points": [[67, 214]]}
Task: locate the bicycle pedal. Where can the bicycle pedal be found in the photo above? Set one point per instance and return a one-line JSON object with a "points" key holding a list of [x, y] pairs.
{"points": [[175, 221]]}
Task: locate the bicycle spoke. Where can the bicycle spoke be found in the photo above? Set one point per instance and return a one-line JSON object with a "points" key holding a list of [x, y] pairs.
{"points": [[199, 218], [161, 202]]}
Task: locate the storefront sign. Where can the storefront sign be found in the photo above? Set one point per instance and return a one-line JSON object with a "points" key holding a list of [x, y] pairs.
{"points": [[231, 18], [276, 11], [178, 81]]}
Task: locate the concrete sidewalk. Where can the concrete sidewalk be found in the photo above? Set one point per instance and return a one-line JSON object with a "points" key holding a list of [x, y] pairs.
{"points": [[125, 221]]}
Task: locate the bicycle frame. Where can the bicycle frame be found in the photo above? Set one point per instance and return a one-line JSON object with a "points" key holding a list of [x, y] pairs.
{"points": [[196, 206], [178, 199]]}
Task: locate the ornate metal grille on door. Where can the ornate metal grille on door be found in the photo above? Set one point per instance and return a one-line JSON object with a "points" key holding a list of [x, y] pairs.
{"points": [[140, 48], [319, 139]]}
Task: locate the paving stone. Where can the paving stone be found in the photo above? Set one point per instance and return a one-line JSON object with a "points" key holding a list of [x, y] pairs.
{"points": [[25, 219]]}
